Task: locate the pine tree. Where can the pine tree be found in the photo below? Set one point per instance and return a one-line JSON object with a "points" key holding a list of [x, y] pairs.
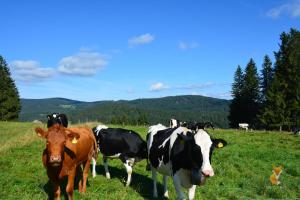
{"points": [[9, 97], [250, 94], [236, 105], [287, 70], [273, 113], [267, 74]]}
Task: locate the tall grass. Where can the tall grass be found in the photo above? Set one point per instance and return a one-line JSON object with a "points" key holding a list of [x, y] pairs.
{"points": [[242, 168]]}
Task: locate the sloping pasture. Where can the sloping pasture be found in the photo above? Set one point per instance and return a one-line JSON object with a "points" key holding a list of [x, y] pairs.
{"points": [[242, 168]]}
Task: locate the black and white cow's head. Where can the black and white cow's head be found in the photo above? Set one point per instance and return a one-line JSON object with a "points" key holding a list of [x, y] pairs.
{"points": [[195, 154], [176, 123], [57, 118]]}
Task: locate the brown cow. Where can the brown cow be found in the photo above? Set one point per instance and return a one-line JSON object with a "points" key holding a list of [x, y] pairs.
{"points": [[66, 149]]}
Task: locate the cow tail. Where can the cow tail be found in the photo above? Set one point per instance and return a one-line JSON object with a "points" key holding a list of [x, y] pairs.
{"points": [[95, 154]]}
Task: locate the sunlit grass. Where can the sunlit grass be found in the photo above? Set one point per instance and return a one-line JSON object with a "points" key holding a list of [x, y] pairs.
{"points": [[242, 168]]}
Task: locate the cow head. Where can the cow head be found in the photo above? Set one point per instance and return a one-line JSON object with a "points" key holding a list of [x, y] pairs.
{"points": [[56, 138], [198, 151], [56, 118]]}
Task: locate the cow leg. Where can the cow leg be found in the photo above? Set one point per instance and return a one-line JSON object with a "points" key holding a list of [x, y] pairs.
{"points": [[56, 191], [107, 174], [177, 185], [94, 167], [165, 182], [128, 166], [70, 185], [154, 178], [79, 176], [192, 192], [85, 174]]}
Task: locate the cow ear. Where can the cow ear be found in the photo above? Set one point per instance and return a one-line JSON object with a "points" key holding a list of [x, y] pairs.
{"points": [[219, 143], [48, 117], [73, 137], [40, 132]]}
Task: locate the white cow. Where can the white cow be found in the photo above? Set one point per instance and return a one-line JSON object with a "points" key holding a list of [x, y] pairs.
{"points": [[244, 126]]}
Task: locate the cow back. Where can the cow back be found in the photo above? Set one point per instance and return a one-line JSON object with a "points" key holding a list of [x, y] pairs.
{"points": [[113, 141]]}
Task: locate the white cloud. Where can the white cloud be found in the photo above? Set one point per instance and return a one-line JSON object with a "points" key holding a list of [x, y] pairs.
{"points": [[291, 9], [195, 86], [158, 87], [29, 70], [161, 86], [185, 45], [141, 39], [84, 63]]}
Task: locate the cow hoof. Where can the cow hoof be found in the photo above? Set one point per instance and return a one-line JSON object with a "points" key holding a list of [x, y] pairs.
{"points": [[107, 175], [94, 175]]}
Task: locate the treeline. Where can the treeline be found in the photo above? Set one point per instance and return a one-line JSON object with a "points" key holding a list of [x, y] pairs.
{"points": [[144, 111], [271, 99]]}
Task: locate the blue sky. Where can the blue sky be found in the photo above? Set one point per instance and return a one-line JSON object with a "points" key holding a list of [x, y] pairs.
{"points": [[111, 50]]}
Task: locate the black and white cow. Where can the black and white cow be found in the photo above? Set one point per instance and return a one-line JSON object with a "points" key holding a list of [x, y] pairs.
{"points": [[181, 154], [126, 145], [57, 118], [195, 126]]}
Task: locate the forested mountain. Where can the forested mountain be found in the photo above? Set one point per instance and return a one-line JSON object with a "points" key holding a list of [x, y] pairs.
{"points": [[139, 111]]}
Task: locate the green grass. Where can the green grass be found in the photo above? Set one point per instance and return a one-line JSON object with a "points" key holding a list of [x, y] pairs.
{"points": [[242, 168]]}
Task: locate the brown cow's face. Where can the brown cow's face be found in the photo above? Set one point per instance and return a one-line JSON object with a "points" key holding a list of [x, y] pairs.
{"points": [[55, 147], [56, 138]]}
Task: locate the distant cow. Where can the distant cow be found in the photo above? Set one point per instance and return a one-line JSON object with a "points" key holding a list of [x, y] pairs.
{"points": [[184, 156], [57, 118], [66, 150], [126, 145], [244, 126], [195, 126]]}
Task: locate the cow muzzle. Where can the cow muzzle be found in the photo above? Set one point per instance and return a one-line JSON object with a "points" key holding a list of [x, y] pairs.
{"points": [[197, 178], [55, 160], [209, 172]]}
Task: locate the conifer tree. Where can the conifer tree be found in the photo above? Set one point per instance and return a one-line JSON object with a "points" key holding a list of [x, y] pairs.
{"points": [[267, 74], [9, 97], [287, 70], [236, 104], [273, 113], [250, 94]]}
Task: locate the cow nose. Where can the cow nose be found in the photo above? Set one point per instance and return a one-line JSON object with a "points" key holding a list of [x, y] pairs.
{"points": [[56, 158], [208, 172]]}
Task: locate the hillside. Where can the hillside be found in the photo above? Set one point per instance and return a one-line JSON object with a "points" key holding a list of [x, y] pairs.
{"points": [[139, 111]]}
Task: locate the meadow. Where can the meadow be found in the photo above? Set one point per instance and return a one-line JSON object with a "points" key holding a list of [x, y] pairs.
{"points": [[242, 168]]}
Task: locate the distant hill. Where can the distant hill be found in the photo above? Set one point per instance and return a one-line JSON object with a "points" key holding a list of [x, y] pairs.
{"points": [[139, 111]]}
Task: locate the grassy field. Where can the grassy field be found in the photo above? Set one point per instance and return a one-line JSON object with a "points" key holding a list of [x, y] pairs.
{"points": [[242, 168]]}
